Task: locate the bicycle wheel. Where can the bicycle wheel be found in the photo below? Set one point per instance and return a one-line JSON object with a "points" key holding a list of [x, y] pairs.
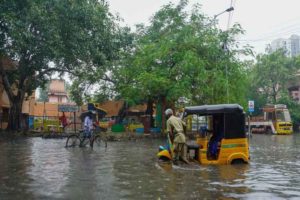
{"points": [[85, 141], [99, 141], [72, 141]]}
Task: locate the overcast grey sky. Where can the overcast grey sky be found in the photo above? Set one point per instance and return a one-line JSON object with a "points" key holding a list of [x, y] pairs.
{"points": [[263, 20]]}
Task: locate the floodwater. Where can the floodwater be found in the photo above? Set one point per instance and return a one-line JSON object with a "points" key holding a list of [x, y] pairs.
{"points": [[36, 168]]}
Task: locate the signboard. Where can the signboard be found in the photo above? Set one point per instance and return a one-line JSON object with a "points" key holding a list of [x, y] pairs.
{"points": [[251, 106], [68, 108]]}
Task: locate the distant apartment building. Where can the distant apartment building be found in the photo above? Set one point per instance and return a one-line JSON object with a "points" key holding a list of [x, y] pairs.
{"points": [[290, 45], [57, 91]]}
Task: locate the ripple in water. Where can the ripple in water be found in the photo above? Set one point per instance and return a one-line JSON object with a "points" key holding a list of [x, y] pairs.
{"points": [[38, 168]]}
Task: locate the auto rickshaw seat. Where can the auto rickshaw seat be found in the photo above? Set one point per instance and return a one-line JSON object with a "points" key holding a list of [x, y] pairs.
{"points": [[194, 147]]}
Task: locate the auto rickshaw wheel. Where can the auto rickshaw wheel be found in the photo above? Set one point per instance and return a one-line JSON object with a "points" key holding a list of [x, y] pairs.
{"points": [[238, 161]]}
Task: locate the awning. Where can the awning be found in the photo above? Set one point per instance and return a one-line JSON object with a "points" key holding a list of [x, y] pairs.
{"points": [[101, 112]]}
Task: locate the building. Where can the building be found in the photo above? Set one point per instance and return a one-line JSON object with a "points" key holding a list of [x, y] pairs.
{"points": [[291, 45], [57, 91], [47, 114], [294, 45]]}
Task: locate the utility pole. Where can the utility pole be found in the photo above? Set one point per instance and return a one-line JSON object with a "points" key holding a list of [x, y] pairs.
{"points": [[226, 49]]}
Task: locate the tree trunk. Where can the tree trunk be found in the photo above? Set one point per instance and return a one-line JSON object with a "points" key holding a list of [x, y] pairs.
{"points": [[163, 100], [15, 116], [122, 113], [15, 100], [274, 94], [149, 111]]}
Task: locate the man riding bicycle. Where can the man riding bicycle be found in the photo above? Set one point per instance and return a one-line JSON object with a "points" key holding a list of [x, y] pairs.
{"points": [[89, 135], [88, 125]]}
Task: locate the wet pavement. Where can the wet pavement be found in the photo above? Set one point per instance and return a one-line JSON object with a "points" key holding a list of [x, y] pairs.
{"points": [[36, 168]]}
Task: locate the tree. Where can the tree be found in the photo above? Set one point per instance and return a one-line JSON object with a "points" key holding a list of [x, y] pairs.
{"points": [[271, 74], [65, 36], [98, 84], [181, 54], [269, 80], [294, 109]]}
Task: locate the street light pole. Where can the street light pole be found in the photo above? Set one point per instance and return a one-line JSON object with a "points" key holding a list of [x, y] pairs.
{"points": [[227, 10], [225, 49], [227, 84]]}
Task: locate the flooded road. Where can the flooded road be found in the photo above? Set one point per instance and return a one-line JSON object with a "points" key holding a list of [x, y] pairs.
{"points": [[36, 168]]}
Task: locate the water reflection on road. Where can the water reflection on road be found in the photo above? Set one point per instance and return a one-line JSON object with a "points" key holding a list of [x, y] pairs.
{"points": [[36, 168]]}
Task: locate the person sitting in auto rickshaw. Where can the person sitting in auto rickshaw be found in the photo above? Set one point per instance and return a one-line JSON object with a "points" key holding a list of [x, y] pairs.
{"points": [[217, 135]]}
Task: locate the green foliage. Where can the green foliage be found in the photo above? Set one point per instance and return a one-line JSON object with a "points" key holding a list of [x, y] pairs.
{"points": [[271, 74], [75, 93], [96, 83], [65, 36], [293, 107], [269, 80], [181, 54]]}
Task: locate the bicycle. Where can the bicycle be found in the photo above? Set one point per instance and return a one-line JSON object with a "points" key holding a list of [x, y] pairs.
{"points": [[80, 140]]}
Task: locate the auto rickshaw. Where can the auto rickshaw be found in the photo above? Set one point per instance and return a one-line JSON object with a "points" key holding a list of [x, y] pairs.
{"points": [[222, 140]]}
